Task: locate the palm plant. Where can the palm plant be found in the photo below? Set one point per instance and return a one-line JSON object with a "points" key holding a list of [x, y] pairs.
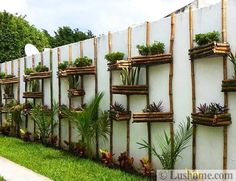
{"points": [[43, 117], [232, 58], [90, 123], [130, 76], [170, 152]]}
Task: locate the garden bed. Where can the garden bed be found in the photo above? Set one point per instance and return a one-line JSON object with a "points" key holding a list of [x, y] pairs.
{"points": [[130, 89], [211, 120], [76, 92], [32, 95], [211, 49], [229, 85], [38, 75], [151, 60], [85, 70], [57, 164], [120, 116], [153, 117], [13, 80]]}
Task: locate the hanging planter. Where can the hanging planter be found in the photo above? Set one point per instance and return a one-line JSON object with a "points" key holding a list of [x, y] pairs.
{"points": [[118, 65], [12, 80], [32, 95], [8, 96], [76, 92], [130, 89], [38, 75], [119, 113], [229, 85]]}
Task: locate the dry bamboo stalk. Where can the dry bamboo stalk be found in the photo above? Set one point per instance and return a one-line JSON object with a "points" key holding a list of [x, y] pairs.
{"points": [[51, 88], [33, 61], [70, 55], [128, 127], [152, 56], [6, 68], [129, 42], [81, 45], [223, 20], [153, 120], [42, 58], [18, 85], [147, 33], [12, 68], [58, 55]]}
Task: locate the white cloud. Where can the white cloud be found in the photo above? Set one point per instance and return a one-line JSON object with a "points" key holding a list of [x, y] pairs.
{"points": [[99, 16]]}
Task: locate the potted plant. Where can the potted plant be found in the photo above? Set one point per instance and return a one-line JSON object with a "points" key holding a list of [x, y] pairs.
{"points": [[82, 62], [2, 75], [63, 66], [119, 113], [74, 86], [153, 113], [113, 57], [8, 91], [208, 44], [34, 86], [213, 114]]}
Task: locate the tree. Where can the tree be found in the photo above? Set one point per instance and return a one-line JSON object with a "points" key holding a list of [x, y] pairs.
{"points": [[15, 33], [65, 35]]}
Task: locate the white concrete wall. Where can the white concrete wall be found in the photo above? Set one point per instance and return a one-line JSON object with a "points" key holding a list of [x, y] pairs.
{"points": [[209, 74]]}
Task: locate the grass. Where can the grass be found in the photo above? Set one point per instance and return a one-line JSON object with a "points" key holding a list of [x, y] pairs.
{"points": [[1, 179], [57, 165]]}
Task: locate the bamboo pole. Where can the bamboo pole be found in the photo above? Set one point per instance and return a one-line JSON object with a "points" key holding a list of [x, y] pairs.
{"points": [[147, 96], [51, 89], [81, 49], [1, 98], [59, 96], [26, 118], [129, 42], [70, 100], [193, 88], [225, 72], [18, 85], [171, 73], [110, 86], [70, 55]]}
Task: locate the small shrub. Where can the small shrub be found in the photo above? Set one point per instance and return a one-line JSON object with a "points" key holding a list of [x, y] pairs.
{"points": [[125, 161], [146, 167], [28, 71], [63, 65], [25, 135], [9, 76], [154, 107], [84, 61], [117, 107], [41, 68], [202, 39], [143, 50], [212, 108], [154, 49], [2, 75], [107, 158], [113, 57]]}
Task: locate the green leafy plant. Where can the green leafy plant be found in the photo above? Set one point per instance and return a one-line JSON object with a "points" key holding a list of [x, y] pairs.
{"points": [[153, 49], [154, 107], [41, 68], [202, 39], [125, 161], [9, 76], [90, 123], [8, 89], [169, 156], [25, 135], [74, 82], [232, 59], [130, 76], [16, 111], [28, 71], [146, 167], [34, 85], [212, 108], [64, 65], [113, 57], [44, 120], [82, 61], [2, 75]]}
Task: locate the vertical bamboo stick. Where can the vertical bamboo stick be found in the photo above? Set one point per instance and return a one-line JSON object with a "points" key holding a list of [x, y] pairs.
{"points": [[1, 98], [225, 72], [33, 61], [129, 42], [26, 118], [70, 55], [70, 99], [42, 58], [82, 77], [147, 96], [18, 85], [12, 68], [128, 127], [110, 86], [171, 72], [51, 89], [81, 49], [59, 96], [193, 89]]}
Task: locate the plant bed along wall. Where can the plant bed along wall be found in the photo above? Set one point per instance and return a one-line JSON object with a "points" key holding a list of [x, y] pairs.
{"points": [[151, 60], [229, 85], [85, 70], [211, 49], [38, 75], [120, 116], [211, 119], [32, 95], [152, 117], [118, 65], [13, 80], [76, 92], [130, 89]]}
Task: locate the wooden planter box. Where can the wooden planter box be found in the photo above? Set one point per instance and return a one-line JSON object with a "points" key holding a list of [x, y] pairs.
{"points": [[130, 89], [8, 96], [151, 60], [76, 92], [13, 80], [32, 95], [212, 49], [38, 75], [86, 70], [211, 120], [120, 116], [153, 117], [229, 85], [119, 65]]}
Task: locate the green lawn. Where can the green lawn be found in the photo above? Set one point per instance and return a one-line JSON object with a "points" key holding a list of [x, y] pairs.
{"points": [[56, 164]]}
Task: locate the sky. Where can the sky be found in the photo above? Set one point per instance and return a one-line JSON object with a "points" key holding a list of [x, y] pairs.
{"points": [[99, 16]]}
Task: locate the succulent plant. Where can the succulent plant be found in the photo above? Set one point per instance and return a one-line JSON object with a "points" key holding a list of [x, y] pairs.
{"points": [[118, 107], [154, 107]]}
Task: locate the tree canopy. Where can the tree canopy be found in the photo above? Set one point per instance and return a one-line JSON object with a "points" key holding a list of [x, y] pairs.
{"points": [[15, 33], [65, 35]]}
